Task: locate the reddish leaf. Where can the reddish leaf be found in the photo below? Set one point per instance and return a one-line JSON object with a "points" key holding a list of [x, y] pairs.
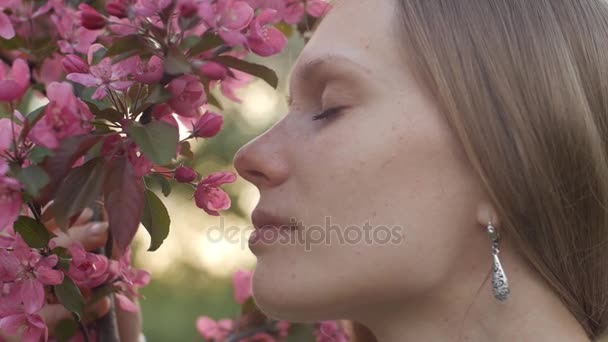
{"points": [[60, 163], [124, 199], [79, 190]]}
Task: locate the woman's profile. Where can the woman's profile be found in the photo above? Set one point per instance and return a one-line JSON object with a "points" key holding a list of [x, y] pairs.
{"points": [[450, 158]]}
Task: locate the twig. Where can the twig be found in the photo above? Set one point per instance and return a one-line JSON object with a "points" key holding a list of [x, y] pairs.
{"points": [[83, 328]]}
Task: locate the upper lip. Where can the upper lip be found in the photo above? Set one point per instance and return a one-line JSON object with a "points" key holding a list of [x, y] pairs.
{"points": [[260, 219]]}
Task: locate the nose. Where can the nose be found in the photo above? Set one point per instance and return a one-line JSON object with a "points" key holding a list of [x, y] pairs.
{"points": [[262, 161]]}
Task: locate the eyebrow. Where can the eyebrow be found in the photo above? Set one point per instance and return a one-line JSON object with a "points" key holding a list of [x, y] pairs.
{"points": [[310, 69]]}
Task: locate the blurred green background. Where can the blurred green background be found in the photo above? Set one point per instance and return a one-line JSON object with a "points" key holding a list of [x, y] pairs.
{"points": [[191, 272]]}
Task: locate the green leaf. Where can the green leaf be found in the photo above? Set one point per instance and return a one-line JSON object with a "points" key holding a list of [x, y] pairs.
{"points": [[80, 189], [69, 295], [164, 183], [186, 150], [65, 330], [212, 100], [12, 44], [157, 140], [155, 219], [158, 94], [257, 70], [108, 113], [125, 47], [208, 41], [101, 292], [33, 232], [33, 178], [176, 63], [64, 258], [99, 55], [189, 42], [38, 153], [35, 115], [285, 28]]}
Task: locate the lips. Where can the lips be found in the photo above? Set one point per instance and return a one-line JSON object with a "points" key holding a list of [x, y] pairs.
{"points": [[268, 229], [262, 219]]}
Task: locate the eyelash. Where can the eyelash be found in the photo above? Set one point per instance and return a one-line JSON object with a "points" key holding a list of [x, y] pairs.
{"points": [[327, 113]]}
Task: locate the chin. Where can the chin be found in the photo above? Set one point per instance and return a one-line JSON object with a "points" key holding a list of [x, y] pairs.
{"points": [[282, 296]]}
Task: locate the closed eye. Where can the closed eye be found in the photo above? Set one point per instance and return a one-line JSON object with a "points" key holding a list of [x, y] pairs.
{"points": [[327, 113]]}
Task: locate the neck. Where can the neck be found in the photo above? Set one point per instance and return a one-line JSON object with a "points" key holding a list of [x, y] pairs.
{"points": [[463, 308]]}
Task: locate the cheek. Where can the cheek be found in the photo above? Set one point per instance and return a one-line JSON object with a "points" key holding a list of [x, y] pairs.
{"points": [[399, 170]]}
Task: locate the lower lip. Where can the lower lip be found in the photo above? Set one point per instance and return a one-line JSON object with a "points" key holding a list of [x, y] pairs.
{"points": [[269, 235]]}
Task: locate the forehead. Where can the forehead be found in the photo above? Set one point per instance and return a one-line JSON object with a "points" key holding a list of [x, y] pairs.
{"points": [[364, 31]]}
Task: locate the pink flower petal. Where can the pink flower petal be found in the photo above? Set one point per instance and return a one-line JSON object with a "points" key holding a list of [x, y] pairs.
{"points": [[86, 80], [49, 276], [32, 294], [6, 27]]}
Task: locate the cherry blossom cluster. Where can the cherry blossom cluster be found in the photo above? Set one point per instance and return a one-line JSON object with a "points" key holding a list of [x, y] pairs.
{"points": [[27, 274], [127, 85], [253, 326]]}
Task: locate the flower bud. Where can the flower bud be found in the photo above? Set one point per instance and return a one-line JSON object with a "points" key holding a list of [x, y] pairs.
{"points": [[117, 9], [188, 9], [214, 71], [185, 174], [74, 64], [207, 125], [90, 18]]}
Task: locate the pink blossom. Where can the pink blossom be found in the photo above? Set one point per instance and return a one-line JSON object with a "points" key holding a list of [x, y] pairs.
{"points": [[185, 174], [228, 18], [9, 130], [188, 95], [88, 269], [105, 75], [230, 84], [10, 197], [32, 326], [90, 18], [209, 197], [164, 113], [74, 64], [14, 82], [212, 330], [282, 328], [50, 70], [130, 279], [29, 328], [117, 8], [30, 271], [64, 116], [187, 8], [150, 72], [214, 71], [318, 8], [149, 8], [141, 164], [75, 38], [208, 125], [330, 331], [264, 39], [6, 27], [241, 282]]}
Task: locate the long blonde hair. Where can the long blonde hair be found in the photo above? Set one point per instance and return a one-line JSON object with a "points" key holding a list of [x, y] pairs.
{"points": [[524, 84]]}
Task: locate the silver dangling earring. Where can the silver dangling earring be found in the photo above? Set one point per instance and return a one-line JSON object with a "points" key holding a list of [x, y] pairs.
{"points": [[499, 278]]}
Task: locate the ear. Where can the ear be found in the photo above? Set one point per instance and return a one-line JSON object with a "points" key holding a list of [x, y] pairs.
{"points": [[486, 213]]}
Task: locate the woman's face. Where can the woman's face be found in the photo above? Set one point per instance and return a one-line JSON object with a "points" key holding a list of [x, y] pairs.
{"points": [[384, 167]]}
